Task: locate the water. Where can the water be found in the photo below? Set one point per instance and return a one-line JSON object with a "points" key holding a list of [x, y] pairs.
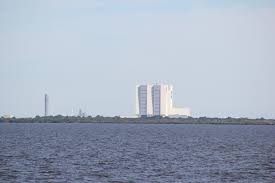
{"points": [[136, 153]]}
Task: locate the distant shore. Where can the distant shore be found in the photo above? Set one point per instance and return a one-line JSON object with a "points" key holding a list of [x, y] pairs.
{"points": [[150, 120]]}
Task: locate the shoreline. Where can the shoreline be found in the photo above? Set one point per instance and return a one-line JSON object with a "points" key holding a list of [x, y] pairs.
{"points": [[150, 120]]}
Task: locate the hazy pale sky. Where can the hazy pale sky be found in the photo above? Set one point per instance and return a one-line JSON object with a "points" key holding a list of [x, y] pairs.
{"points": [[90, 54]]}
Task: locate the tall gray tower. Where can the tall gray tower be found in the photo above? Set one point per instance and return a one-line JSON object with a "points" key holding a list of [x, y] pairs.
{"points": [[46, 105]]}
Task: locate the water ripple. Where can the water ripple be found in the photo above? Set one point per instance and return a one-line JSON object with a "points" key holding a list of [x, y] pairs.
{"points": [[131, 153]]}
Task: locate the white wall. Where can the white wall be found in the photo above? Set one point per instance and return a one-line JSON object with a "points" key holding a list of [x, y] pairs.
{"points": [[144, 100]]}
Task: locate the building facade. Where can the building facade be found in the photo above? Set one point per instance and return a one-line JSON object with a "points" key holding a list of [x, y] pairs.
{"points": [[162, 99], [157, 100], [143, 105]]}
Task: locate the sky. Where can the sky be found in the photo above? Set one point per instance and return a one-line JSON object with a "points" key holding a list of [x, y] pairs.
{"points": [[90, 54]]}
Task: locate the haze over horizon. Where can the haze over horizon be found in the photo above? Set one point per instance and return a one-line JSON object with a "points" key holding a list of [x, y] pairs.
{"points": [[219, 55]]}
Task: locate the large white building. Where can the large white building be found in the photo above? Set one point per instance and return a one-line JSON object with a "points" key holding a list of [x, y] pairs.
{"points": [[156, 100]]}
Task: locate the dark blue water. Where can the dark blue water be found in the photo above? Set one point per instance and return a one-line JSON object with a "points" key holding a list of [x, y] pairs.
{"points": [[136, 153]]}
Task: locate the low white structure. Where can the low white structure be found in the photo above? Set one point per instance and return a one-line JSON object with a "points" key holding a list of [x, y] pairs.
{"points": [[180, 112], [157, 100], [7, 116], [134, 116]]}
